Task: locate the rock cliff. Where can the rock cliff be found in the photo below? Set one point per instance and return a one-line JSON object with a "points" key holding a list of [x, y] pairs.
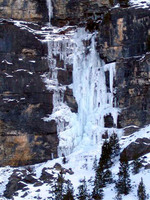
{"points": [[32, 10], [25, 137]]}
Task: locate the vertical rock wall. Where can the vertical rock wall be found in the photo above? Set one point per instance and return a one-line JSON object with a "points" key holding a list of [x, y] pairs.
{"points": [[32, 10], [24, 100]]}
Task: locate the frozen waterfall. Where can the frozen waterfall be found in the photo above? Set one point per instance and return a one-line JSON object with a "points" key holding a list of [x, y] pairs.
{"points": [[93, 93]]}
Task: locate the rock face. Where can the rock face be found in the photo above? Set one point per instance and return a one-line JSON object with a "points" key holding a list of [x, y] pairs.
{"points": [[133, 91], [124, 33], [25, 138], [64, 12], [74, 11], [32, 10]]}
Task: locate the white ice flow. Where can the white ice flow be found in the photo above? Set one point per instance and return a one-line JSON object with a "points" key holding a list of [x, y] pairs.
{"points": [[94, 97]]}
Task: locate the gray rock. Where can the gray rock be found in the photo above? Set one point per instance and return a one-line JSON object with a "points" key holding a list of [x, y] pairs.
{"points": [[136, 149]]}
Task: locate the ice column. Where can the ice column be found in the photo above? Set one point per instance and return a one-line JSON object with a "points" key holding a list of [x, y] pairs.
{"points": [[95, 100]]}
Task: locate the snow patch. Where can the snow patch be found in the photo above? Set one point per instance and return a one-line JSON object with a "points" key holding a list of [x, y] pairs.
{"points": [[140, 3]]}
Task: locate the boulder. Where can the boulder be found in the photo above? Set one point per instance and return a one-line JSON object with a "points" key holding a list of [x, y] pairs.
{"points": [[136, 149], [14, 183]]}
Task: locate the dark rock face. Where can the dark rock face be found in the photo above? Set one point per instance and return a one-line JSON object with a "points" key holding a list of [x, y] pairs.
{"points": [[64, 76], [136, 149], [32, 10], [123, 33], [64, 12], [24, 99], [75, 11], [108, 121], [133, 91], [70, 100]]}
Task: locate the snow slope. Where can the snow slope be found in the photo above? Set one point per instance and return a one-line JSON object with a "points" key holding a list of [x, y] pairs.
{"points": [[140, 3], [81, 162]]}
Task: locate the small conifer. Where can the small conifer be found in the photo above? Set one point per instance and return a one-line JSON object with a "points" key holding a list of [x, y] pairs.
{"points": [[69, 193], [114, 144], [141, 192], [82, 191], [95, 164], [123, 185], [136, 166], [59, 187]]}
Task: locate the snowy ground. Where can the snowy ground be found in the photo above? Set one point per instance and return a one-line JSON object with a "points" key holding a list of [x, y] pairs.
{"points": [[140, 3], [81, 162]]}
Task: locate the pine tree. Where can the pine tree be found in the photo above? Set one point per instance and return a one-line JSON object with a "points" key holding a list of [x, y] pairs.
{"points": [[118, 197], [105, 159], [141, 192], [107, 177], [114, 144], [97, 193], [98, 186], [69, 192], [103, 175], [82, 191], [95, 164], [123, 185], [136, 166], [59, 187]]}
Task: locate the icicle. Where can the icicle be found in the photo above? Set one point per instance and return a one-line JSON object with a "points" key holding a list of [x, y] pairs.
{"points": [[50, 10]]}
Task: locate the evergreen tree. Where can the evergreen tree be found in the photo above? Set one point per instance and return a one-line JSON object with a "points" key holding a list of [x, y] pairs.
{"points": [[136, 166], [118, 197], [141, 192], [105, 159], [95, 164], [59, 187], [103, 175], [98, 186], [123, 185], [82, 191], [97, 192], [114, 144], [107, 177], [69, 191]]}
